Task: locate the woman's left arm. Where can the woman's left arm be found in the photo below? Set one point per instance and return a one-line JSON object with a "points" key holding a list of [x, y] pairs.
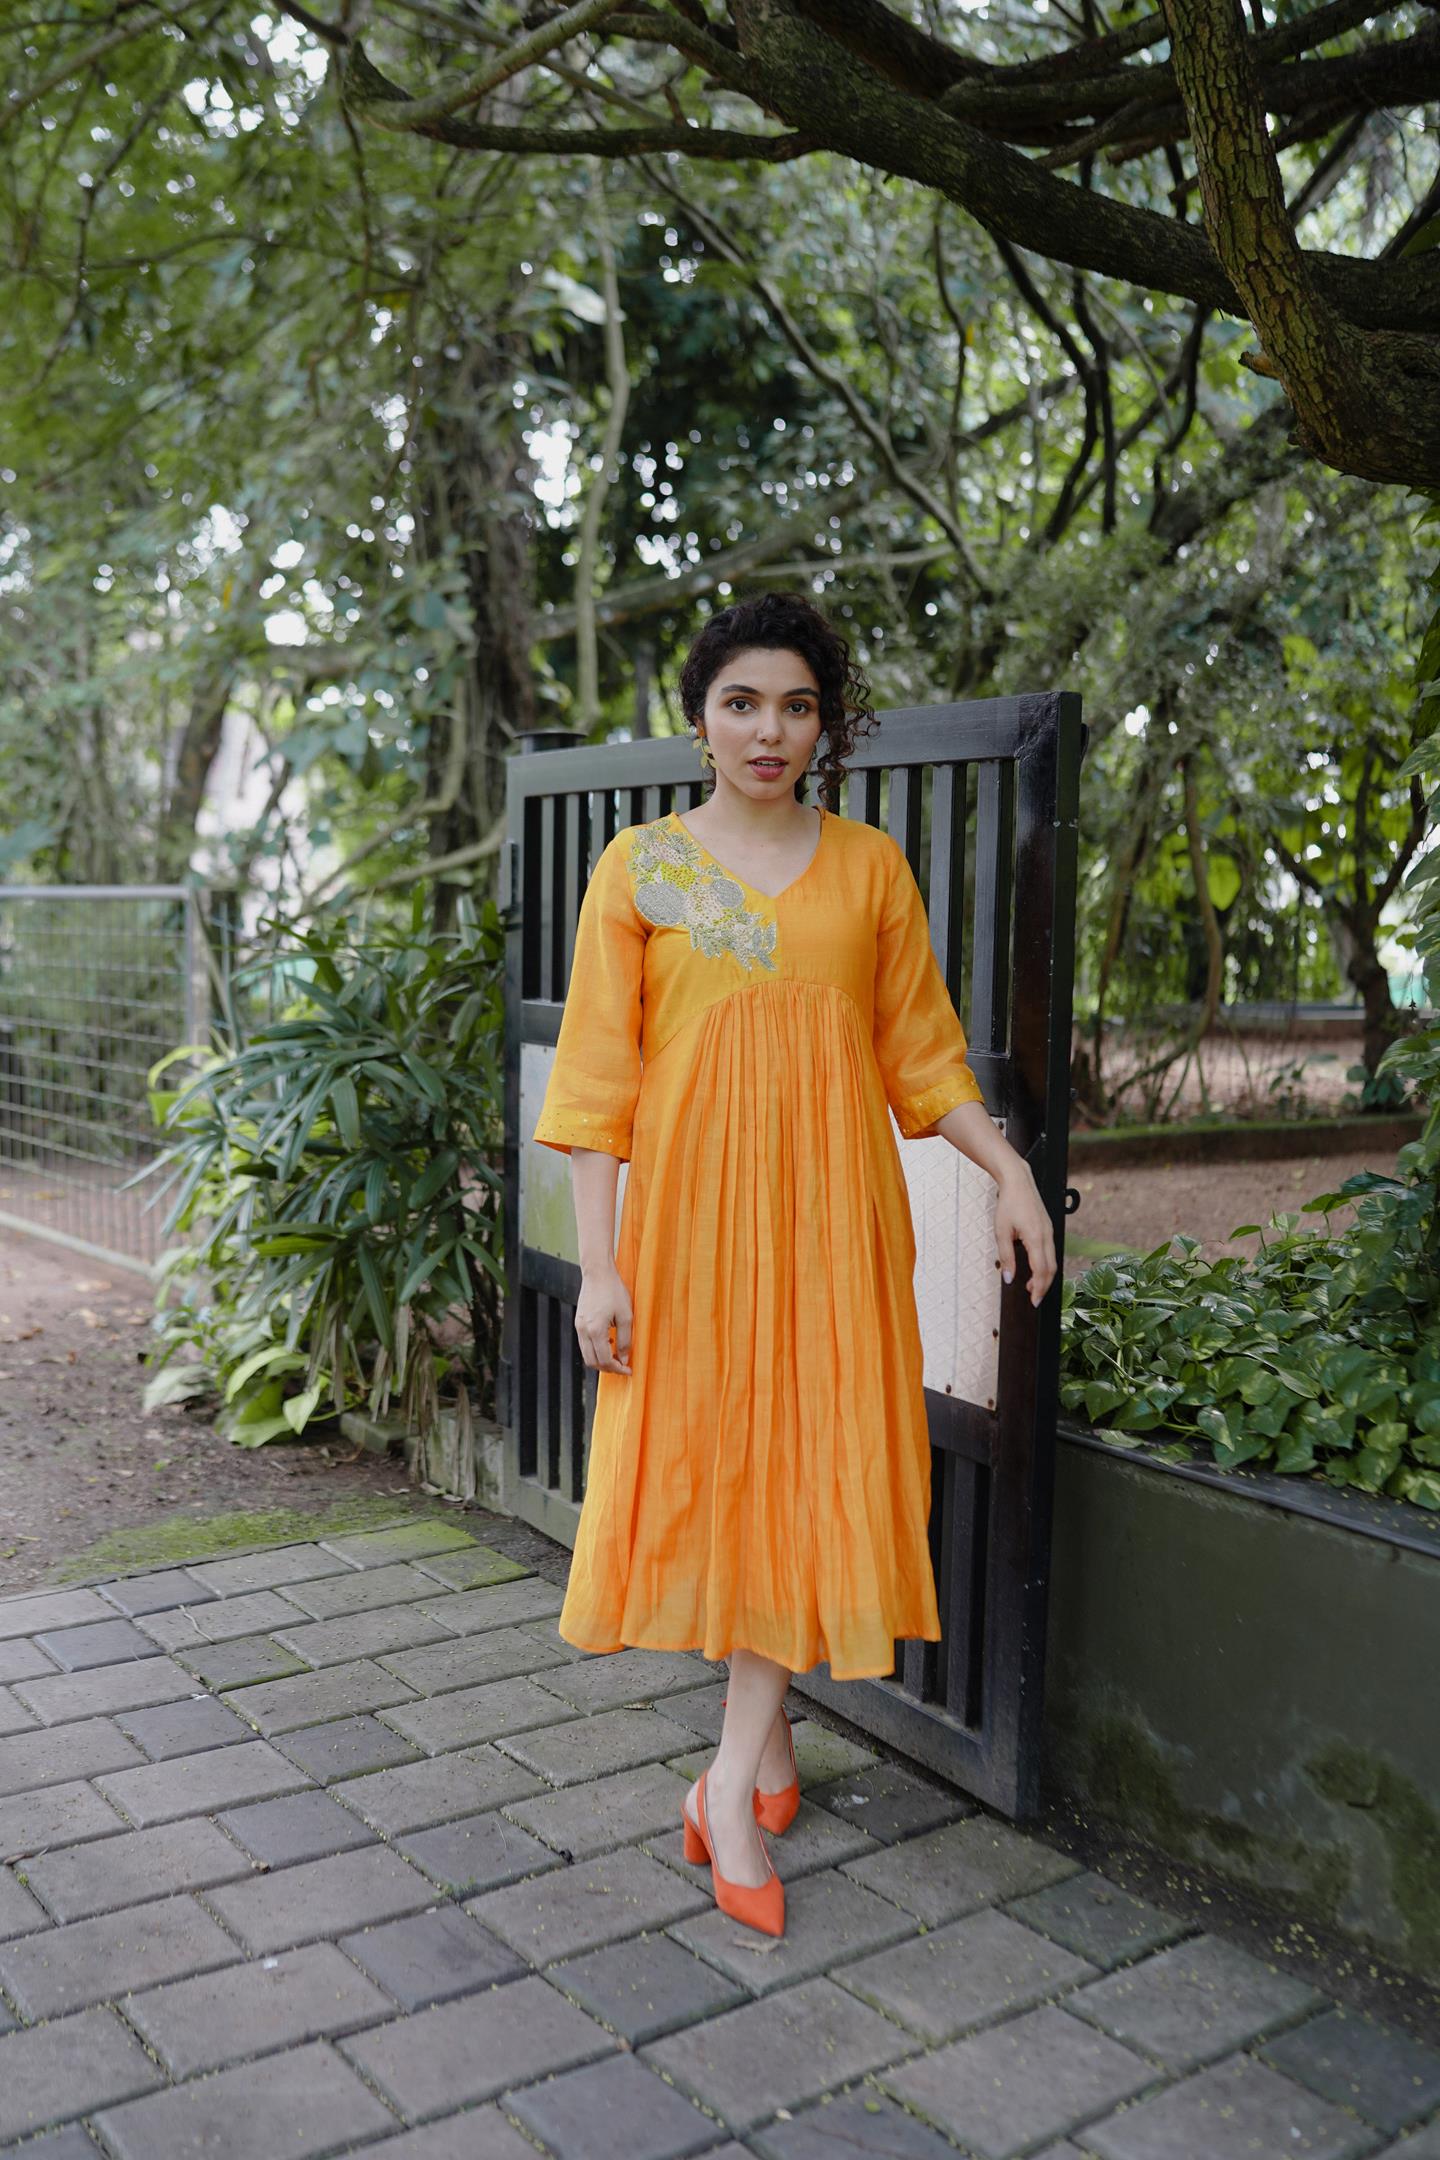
{"points": [[1019, 1210]]}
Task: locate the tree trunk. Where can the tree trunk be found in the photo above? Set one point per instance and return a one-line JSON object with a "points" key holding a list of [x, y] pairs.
{"points": [[476, 486]]}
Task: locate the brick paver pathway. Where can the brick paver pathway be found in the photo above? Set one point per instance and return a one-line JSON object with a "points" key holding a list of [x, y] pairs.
{"points": [[337, 1848]]}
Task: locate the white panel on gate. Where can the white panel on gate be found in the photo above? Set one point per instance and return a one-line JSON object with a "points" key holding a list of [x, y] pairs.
{"points": [[547, 1203], [957, 1284]]}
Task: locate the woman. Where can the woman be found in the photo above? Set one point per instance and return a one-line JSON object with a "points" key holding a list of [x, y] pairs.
{"points": [[753, 990]]}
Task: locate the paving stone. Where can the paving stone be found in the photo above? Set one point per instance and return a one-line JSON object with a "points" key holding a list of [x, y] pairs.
{"points": [[578, 1908], [443, 1723], [473, 1570], [183, 1728], [853, 2126], [20, 1660], [1423, 2145], [222, 2017], [479, 1852], [431, 1956], [61, 1815], [613, 2110], [336, 1597], [952, 1871], [1098, 1920], [439, 2059], [828, 1920], [104, 1642], [407, 1541], [1238, 2110], [698, 1707], [589, 1819], [299, 1826], [51, 1609], [470, 1612], [220, 1620], [888, 1803], [419, 1794], [821, 1755], [1194, 2002], [251, 1660], [473, 1663], [154, 1593], [19, 1913], [1009, 2088], [623, 1679], [815, 1840], [1359, 2063], [361, 1635], [281, 1706], [201, 1784], [307, 2103], [964, 1974], [779, 2052], [56, 2073], [15, 1718], [321, 1897], [481, 2133], [71, 2144], [64, 1698], [345, 1747], [113, 1872], [596, 1746], [269, 1570], [545, 1632], [645, 1986], [31, 1761], [95, 1961]]}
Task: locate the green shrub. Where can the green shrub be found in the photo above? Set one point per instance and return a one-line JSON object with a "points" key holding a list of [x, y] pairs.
{"points": [[340, 1175]]}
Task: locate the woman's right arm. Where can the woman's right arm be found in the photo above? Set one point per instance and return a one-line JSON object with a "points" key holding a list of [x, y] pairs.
{"points": [[604, 1300]]}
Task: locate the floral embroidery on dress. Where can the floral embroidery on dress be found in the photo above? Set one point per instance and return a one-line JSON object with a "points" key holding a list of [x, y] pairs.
{"points": [[677, 886]]}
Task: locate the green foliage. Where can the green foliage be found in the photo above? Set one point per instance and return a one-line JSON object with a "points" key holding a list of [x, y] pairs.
{"points": [[340, 1174], [1323, 1353]]}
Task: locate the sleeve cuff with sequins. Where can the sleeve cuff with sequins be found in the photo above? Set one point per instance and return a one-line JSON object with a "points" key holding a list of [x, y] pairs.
{"points": [[917, 1116]]}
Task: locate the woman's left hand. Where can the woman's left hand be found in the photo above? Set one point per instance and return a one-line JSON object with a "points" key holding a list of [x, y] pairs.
{"points": [[1021, 1213]]}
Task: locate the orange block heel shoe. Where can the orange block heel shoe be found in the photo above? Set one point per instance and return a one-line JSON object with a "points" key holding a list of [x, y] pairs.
{"points": [[775, 1811], [761, 1906]]}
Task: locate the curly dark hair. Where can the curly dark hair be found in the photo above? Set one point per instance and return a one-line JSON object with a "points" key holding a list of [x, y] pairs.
{"points": [[788, 622]]}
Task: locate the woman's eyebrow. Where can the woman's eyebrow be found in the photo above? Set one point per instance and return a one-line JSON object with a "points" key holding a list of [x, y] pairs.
{"points": [[804, 690]]}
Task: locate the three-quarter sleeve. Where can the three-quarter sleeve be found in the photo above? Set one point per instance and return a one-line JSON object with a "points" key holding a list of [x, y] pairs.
{"points": [[595, 1076], [920, 1045]]}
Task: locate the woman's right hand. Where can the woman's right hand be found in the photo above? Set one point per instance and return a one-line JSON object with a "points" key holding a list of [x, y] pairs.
{"points": [[604, 1302]]}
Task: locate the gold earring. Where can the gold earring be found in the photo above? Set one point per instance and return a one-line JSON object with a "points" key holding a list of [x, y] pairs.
{"points": [[707, 755]]}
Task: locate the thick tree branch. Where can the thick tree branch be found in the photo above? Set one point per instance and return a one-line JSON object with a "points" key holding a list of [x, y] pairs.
{"points": [[1365, 402]]}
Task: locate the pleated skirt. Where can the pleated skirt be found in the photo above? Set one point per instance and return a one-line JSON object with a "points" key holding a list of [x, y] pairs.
{"points": [[761, 1478]]}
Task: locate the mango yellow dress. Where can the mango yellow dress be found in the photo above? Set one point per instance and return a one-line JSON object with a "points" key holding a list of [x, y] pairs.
{"points": [[761, 1479]]}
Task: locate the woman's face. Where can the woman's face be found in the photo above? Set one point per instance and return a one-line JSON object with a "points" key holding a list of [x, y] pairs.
{"points": [[762, 704]]}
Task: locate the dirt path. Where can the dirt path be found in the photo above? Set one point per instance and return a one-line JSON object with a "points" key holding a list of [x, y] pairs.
{"points": [[79, 1458], [1141, 1206]]}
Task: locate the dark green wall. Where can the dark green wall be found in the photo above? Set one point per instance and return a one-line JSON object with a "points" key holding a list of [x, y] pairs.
{"points": [[1250, 1690]]}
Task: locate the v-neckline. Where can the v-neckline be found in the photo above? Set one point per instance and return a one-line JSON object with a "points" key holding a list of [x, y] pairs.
{"points": [[758, 890]]}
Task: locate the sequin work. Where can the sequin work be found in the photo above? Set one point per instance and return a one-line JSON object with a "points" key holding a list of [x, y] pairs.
{"points": [[677, 887], [760, 1478]]}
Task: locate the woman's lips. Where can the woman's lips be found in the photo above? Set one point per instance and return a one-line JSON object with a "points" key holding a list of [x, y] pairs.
{"points": [[768, 764]]}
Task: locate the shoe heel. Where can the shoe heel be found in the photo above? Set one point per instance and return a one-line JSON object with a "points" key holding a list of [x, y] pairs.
{"points": [[696, 1850]]}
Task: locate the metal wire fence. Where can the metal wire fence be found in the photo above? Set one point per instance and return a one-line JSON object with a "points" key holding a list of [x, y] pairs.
{"points": [[97, 983]]}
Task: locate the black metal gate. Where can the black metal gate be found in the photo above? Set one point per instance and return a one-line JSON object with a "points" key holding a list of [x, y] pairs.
{"points": [[983, 798]]}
